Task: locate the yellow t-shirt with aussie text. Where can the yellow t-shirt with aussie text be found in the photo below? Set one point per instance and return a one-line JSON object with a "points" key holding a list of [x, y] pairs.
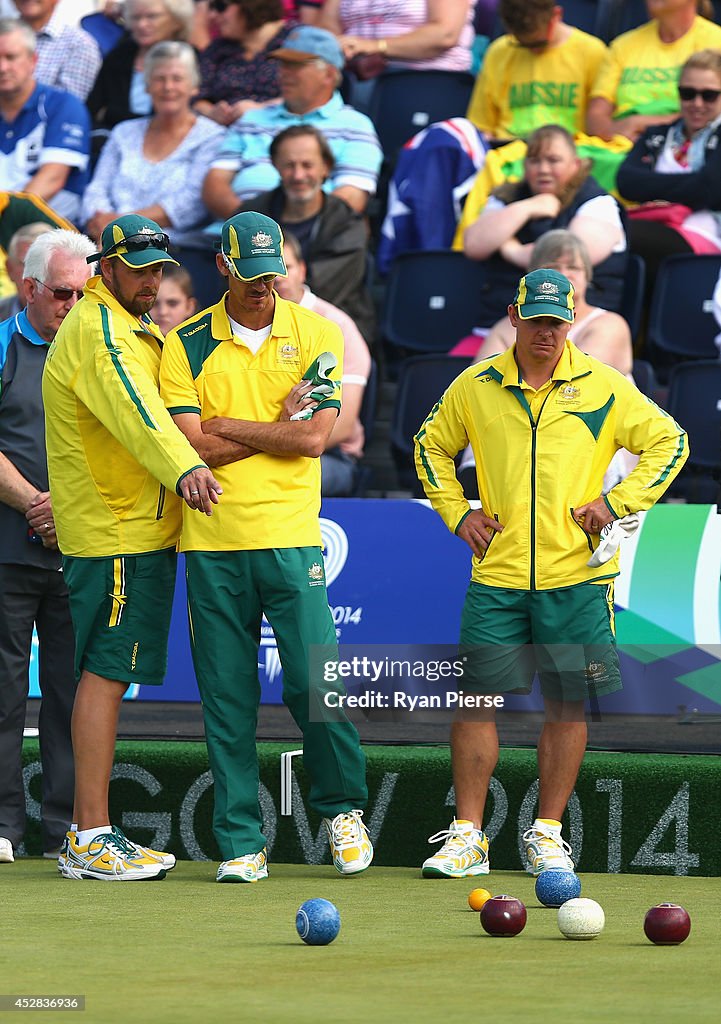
{"points": [[518, 91], [640, 73]]}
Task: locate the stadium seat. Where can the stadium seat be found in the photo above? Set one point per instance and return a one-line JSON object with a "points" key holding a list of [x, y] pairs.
{"points": [[623, 15], [694, 400], [645, 378], [433, 299], [421, 382], [592, 16], [631, 308], [105, 31], [364, 473], [404, 102], [681, 322]]}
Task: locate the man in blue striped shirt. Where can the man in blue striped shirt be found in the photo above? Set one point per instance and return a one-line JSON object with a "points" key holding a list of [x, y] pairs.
{"points": [[311, 61]]}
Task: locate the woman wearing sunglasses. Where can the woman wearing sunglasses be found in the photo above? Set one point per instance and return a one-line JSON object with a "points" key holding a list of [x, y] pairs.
{"points": [[636, 85], [674, 172]]}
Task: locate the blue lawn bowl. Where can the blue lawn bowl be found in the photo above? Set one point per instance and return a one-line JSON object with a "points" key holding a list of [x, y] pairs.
{"points": [[317, 922], [555, 887]]}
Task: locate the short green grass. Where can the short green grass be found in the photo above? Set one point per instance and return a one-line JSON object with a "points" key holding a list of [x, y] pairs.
{"points": [[410, 950]]}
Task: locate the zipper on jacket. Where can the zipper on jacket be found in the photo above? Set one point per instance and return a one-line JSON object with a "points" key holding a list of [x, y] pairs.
{"points": [[161, 502], [534, 427]]}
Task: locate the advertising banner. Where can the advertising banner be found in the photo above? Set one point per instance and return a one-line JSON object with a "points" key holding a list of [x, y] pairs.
{"points": [[396, 576]]}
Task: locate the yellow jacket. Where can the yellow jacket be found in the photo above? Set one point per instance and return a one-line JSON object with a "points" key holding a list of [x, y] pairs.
{"points": [[541, 454], [115, 457]]}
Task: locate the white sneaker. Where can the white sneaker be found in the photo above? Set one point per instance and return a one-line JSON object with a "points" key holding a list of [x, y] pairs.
{"points": [[546, 848], [610, 538], [349, 842], [250, 868], [6, 851], [464, 852]]}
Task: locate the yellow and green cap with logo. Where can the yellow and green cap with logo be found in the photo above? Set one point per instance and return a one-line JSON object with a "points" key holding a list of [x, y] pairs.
{"points": [[545, 292], [135, 240], [252, 246]]}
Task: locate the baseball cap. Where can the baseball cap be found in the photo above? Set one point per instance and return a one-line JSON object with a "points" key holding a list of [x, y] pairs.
{"points": [[252, 245], [307, 41], [545, 293], [137, 241]]}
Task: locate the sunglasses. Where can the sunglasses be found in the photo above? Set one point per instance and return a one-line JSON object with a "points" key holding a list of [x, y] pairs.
{"points": [[61, 294], [135, 243], [687, 94], [219, 5]]}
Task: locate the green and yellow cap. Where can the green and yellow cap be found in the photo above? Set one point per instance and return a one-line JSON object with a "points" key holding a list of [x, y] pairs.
{"points": [[137, 241], [545, 292], [252, 246]]}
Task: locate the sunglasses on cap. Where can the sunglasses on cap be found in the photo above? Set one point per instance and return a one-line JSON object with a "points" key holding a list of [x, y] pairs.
{"points": [[61, 294], [135, 243], [687, 94]]}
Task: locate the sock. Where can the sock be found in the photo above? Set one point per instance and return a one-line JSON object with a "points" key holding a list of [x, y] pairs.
{"points": [[88, 834], [549, 822]]}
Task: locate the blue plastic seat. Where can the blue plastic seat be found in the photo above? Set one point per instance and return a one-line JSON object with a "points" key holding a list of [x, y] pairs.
{"points": [[405, 102], [421, 382], [681, 321], [433, 299]]}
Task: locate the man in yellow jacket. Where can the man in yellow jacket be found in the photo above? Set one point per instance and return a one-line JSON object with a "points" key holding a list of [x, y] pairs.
{"points": [[118, 469], [544, 421]]}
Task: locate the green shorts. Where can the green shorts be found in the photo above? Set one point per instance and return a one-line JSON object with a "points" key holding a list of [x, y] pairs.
{"points": [[566, 635], [121, 610]]}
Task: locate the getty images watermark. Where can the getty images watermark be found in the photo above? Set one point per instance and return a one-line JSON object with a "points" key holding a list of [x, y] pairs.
{"points": [[382, 680], [397, 677]]}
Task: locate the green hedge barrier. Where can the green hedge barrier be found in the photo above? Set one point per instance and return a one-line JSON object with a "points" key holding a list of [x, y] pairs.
{"points": [[645, 813]]}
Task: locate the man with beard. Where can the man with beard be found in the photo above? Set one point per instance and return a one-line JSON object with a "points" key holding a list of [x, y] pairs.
{"points": [[117, 464]]}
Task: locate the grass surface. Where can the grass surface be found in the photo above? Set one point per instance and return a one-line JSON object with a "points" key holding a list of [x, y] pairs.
{"points": [[409, 950]]}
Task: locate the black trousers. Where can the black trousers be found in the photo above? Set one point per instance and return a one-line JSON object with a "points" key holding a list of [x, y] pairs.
{"points": [[28, 596]]}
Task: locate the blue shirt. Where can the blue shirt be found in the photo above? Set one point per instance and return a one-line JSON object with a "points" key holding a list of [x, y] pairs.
{"points": [[22, 325], [350, 134], [53, 127]]}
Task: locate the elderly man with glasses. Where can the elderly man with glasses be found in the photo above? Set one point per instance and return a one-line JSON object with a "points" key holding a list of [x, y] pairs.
{"points": [[118, 466], [32, 587]]}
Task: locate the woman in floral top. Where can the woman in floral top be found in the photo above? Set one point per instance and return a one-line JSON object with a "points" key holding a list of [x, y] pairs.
{"points": [[235, 72]]}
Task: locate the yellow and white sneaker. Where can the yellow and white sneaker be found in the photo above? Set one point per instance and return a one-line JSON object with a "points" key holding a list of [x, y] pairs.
{"points": [[252, 867], [349, 841], [464, 852], [166, 859], [108, 857], [545, 847], [7, 855]]}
